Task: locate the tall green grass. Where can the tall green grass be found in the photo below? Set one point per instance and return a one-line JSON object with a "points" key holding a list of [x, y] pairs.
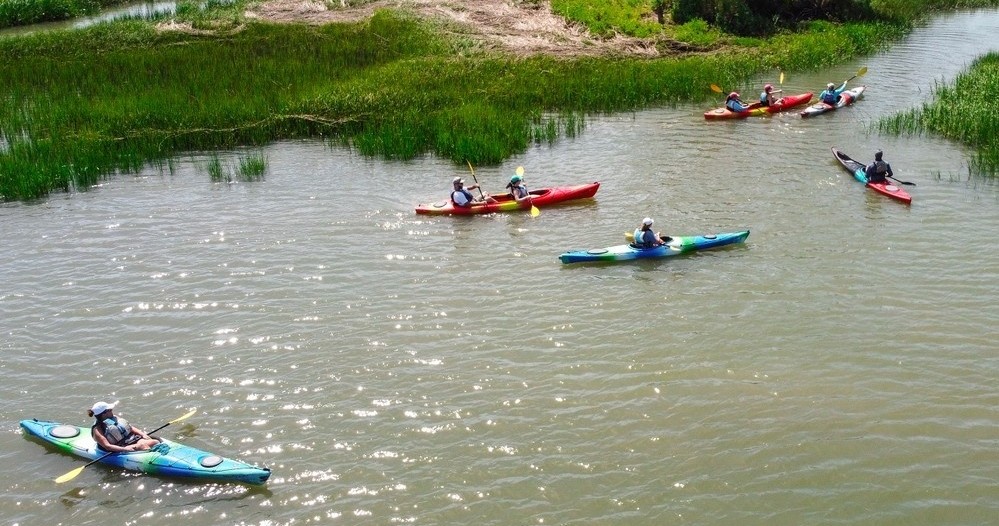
{"points": [[79, 106], [966, 111]]}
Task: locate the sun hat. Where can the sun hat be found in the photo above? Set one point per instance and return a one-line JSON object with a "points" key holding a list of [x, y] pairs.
{"points": [[101, 407], [768, 87], [647, 221], [458, 180], [516, 179], [830, 86], [733, 95]]}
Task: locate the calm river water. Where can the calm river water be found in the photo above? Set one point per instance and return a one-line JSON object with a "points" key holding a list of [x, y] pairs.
{"points": [[840, 368]]}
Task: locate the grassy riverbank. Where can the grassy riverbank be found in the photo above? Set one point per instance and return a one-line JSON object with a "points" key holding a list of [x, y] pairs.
{"points": [[966, 111], [83, 105]]}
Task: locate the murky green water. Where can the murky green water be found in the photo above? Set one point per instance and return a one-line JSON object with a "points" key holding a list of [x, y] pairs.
{"points": [[391, 368]]}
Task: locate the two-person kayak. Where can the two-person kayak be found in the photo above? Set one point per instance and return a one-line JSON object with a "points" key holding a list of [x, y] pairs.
{"points": [[846, 98], [505, 202], [168, 459], [782, 104], [675, 246], [858, 170]]}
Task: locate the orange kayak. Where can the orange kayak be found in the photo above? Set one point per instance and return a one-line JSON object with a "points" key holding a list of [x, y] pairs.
{"points": [[505, 203], [784, 103]]}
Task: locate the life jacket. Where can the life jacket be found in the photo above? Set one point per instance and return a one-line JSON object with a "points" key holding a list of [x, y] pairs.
{"points": [[733, 104], [829, 97], [764, 100], [468, 196], [518, 191], [118, 431], [640, 238], [880, 167]]}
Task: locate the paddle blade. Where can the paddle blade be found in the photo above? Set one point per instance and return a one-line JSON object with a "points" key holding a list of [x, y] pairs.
{"points": [[781, 78], [70, 476], [534, 211], [520, 171], [184, 417], [715, 88], [470, 166], [862, 71]]}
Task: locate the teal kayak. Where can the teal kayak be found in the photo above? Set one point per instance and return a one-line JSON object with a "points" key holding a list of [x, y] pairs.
{"points": [[168, 459], [675, 246]]}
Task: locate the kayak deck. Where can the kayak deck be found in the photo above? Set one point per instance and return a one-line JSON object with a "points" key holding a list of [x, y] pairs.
{"points": [[847, 98], [168, 459]]}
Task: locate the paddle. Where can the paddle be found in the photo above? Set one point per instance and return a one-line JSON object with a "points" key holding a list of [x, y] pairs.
{"points": [[534, 210], [474, 179], [860, 73], [72, 474], [901, 182]]}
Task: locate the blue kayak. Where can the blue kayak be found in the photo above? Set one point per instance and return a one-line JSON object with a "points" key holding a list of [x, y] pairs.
{"points": [[674, 247], [168, 459]]}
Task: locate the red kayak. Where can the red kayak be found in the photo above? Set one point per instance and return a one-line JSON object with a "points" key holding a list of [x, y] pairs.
{"points": [[857, 169], [505, 203], [784, 103]]}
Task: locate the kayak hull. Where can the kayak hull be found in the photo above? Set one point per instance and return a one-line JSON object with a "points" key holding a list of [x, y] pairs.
{"points": [[847, 98], [783, 104], [169, 459], [505, 203], [676, 246], [857, 169]]}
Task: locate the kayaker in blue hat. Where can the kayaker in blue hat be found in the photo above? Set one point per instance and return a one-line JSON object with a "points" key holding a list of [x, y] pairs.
{"points": [[518, 189], [115, 434], [877, 170]]}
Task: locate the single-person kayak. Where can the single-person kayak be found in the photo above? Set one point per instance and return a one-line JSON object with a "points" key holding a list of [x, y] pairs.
{"points": [[168, 459], [675, 246], [505, 203], [846, 98], [782, 104], [857, 169]]}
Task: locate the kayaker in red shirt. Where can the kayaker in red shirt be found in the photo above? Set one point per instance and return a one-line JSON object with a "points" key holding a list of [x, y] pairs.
{"points": [[115, 434]]}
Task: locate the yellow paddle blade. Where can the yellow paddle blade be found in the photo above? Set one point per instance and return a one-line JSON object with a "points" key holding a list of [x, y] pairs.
{"points": [[862, 71], [184, 417], [715, 88], [70, 476], [520, 171], [781, 78], [534, 211], [470, 166]]}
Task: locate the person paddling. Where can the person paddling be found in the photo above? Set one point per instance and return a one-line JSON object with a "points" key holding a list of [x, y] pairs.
{"points": [[463, 198], [831, 94], [877, 171], [645, 237], [115, 434], [734, 103], [518, 189], [767, 97]]}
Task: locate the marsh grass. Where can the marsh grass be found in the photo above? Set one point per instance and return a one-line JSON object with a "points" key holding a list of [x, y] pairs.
{"points": [[966, 111], [121, 96]]}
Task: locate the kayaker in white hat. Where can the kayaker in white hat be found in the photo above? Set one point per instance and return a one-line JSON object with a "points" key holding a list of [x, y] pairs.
{"points": [[831, 94], [645, 237], [463, 198], [113, 433]]}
